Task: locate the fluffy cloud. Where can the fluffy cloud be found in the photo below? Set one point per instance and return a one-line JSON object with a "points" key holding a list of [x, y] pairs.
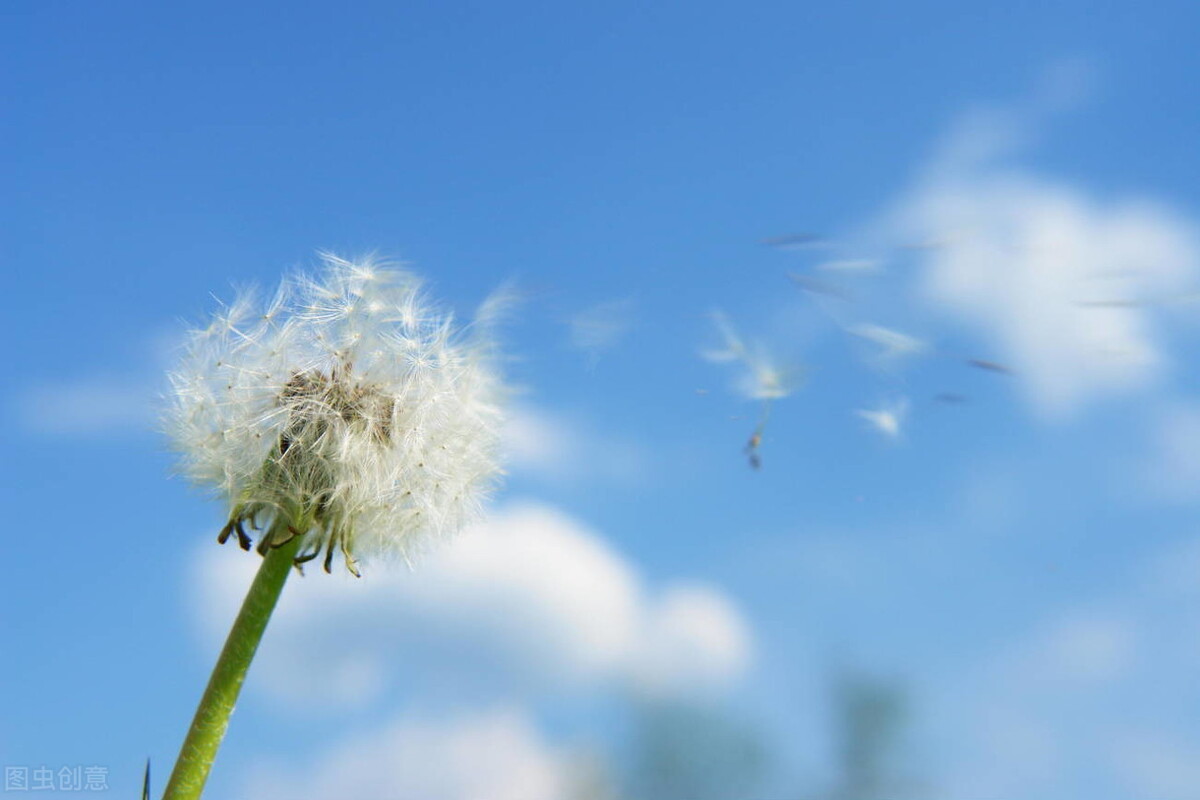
{"points": [[530, 598], [692, 637], [1065, 287], [496, 755]]}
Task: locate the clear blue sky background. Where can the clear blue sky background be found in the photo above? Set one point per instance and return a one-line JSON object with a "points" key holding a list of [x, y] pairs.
{"points": [[156, 154]]}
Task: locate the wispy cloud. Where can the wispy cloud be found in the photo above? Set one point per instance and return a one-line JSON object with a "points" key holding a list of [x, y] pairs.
{"points": [[599, 328], [121, 399], [94, 406], [556, 448]]}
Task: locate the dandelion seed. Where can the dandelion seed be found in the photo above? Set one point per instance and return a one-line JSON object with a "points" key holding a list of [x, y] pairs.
{"points": [[761, 378], [893, 345], [887, 420], [864, 265], [819, 287], [795, 241], [751, 450], [950, 398], [989, 366]]}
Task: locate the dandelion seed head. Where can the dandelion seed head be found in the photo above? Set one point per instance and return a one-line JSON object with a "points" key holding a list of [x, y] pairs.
{"points": [[347, 405]]}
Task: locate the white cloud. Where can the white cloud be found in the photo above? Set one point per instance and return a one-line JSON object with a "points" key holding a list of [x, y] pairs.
{"points": [[1063, 286], [557, 449], [88, 406], [531, 598], [693, 636], [497, 755], [536, 441], [117, 402]]}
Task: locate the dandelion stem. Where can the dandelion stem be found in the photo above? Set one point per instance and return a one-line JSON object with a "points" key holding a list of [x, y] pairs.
{"points": [[212, 716]]}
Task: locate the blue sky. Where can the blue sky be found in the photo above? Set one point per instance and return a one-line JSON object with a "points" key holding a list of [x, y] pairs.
{"points": [[1026, 562]]}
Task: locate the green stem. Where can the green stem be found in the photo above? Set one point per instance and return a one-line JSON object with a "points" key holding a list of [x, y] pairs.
{"points": [[212, 716]]}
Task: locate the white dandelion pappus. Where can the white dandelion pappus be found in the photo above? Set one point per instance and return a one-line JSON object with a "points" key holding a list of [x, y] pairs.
{"points": [[894, 346], [762, 378], [347, 410], [866, 265], [889, 419]]}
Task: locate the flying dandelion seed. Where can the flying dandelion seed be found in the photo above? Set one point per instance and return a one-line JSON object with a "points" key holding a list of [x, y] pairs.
{"points": [[862, 265], [950, 398], [893, 346], [760, 378], [812, 285], [795, 241], [753, 457], [888, 420], [989, 366]]}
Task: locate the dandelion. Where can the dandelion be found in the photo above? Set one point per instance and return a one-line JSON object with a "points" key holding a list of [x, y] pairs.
{"points": [[345, 416]]}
